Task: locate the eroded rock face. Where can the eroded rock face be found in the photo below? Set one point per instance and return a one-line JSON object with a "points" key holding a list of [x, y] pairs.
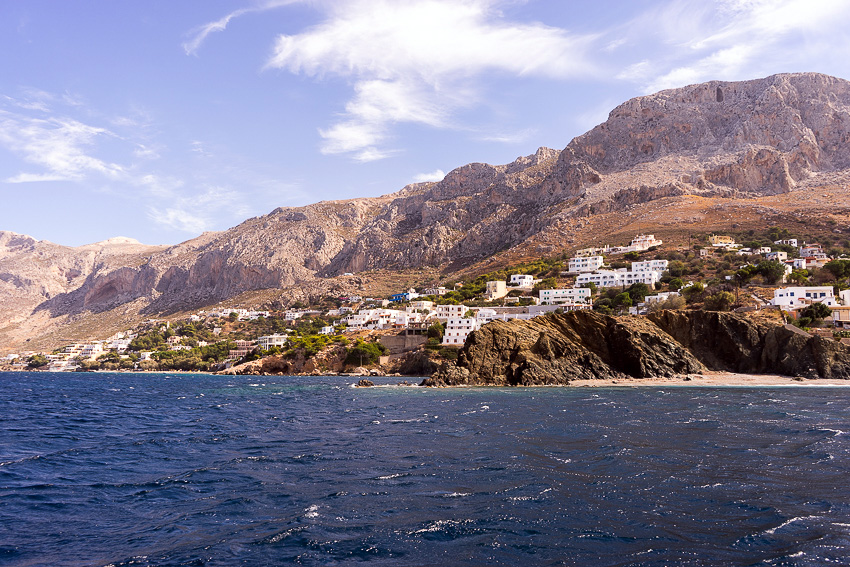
{"points": [[556, 348], [723, 341]]}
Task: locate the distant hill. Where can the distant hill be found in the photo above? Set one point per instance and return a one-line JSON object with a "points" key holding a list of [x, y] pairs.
{"points": [[700, 157]]}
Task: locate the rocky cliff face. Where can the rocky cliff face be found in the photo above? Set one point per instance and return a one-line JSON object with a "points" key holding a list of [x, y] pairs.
{"points": [[760, 137], [555, 349]]}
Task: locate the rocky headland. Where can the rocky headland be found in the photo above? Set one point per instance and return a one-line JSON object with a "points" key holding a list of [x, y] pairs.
{"points": [[557, 348]]}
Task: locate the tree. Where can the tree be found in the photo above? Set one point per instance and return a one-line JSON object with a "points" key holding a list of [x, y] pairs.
{"points": [[676, 284], [638, 291], [720, 301], [693, 293], [799, 276], [364, 353], [623, 300], [771, 270], [816, 312], [671, 304], [676, 268], [37, 361], [839, 268], [436, 331]]}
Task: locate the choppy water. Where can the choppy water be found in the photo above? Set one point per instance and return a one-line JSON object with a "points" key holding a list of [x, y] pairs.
{"points": [[141, 469]]}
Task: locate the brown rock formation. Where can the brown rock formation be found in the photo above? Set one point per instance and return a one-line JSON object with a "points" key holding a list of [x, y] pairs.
{"points": [[554, 349]]}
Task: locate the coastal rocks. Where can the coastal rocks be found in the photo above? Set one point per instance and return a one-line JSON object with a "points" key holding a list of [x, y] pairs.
{"points": [[734, 343], [556, 348], [559, 347]]}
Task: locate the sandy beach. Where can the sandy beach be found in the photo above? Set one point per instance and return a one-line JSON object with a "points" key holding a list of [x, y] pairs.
{"points": [[713, 379]]}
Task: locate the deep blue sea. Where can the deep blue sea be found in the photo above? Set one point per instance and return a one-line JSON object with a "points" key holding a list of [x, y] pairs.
{"points": [[186, 469]]}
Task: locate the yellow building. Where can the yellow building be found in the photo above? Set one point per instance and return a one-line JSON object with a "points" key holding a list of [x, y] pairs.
{"points": [[717, 240]]}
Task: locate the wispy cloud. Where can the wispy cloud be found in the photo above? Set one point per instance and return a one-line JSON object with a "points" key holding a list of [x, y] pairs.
{"points": [[60, 148], [436, 175], [416, 61], [733, 39], [200, 34], [58, 144]]}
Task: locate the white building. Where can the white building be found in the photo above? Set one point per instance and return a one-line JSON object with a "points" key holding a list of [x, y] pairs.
{"points": [[446, 312], [581, 264], [779, 256], [763, 250], [592, 251], [650, 266], [643, 242], [571, 295], [421, 305], [326, 331], [435, 291], [91, 351], [292, 315], [813, 250], [522, 280], [457, 329], [496, 290], [788, 242], [800, 296], [407, 318], [269, 341], [622, 277]]}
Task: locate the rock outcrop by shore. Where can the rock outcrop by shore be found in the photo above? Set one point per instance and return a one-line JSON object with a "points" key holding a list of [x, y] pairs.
{"points": [[556, 348]]}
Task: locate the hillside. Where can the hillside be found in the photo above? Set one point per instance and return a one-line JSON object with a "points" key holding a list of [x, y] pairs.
{"points": [[704, 157]]}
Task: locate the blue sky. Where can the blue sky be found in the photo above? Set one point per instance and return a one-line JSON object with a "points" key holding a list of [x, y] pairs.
{"points": [[158, 120]]}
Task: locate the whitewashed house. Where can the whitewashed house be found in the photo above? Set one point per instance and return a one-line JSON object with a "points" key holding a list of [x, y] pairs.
{"points": [[522, 280], [650, 266], [621, 277], [268, 341], [791, 297], [457, 329], [581, 264], [495, 290], [445, 312], [570, 295]]}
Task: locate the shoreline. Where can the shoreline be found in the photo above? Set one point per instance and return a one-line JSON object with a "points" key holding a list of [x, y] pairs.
{"points": [[713, 378]]}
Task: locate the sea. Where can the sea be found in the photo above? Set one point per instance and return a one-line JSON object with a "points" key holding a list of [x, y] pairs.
{"points": [[194, 470]]}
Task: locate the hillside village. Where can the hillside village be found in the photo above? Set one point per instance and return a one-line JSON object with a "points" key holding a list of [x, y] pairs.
{"points": [[789, 278]]}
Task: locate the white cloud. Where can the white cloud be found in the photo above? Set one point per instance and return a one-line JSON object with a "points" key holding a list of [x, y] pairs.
{"points": [[437, 175], [416, 61], [735, 39], [35, 178], [180, 219], [58, 144], [510, 137], [199, 34], [61, 148]]}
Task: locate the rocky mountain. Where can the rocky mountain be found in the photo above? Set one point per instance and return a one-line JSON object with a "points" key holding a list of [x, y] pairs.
{"points": [[555, 348], [740, 142]]}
